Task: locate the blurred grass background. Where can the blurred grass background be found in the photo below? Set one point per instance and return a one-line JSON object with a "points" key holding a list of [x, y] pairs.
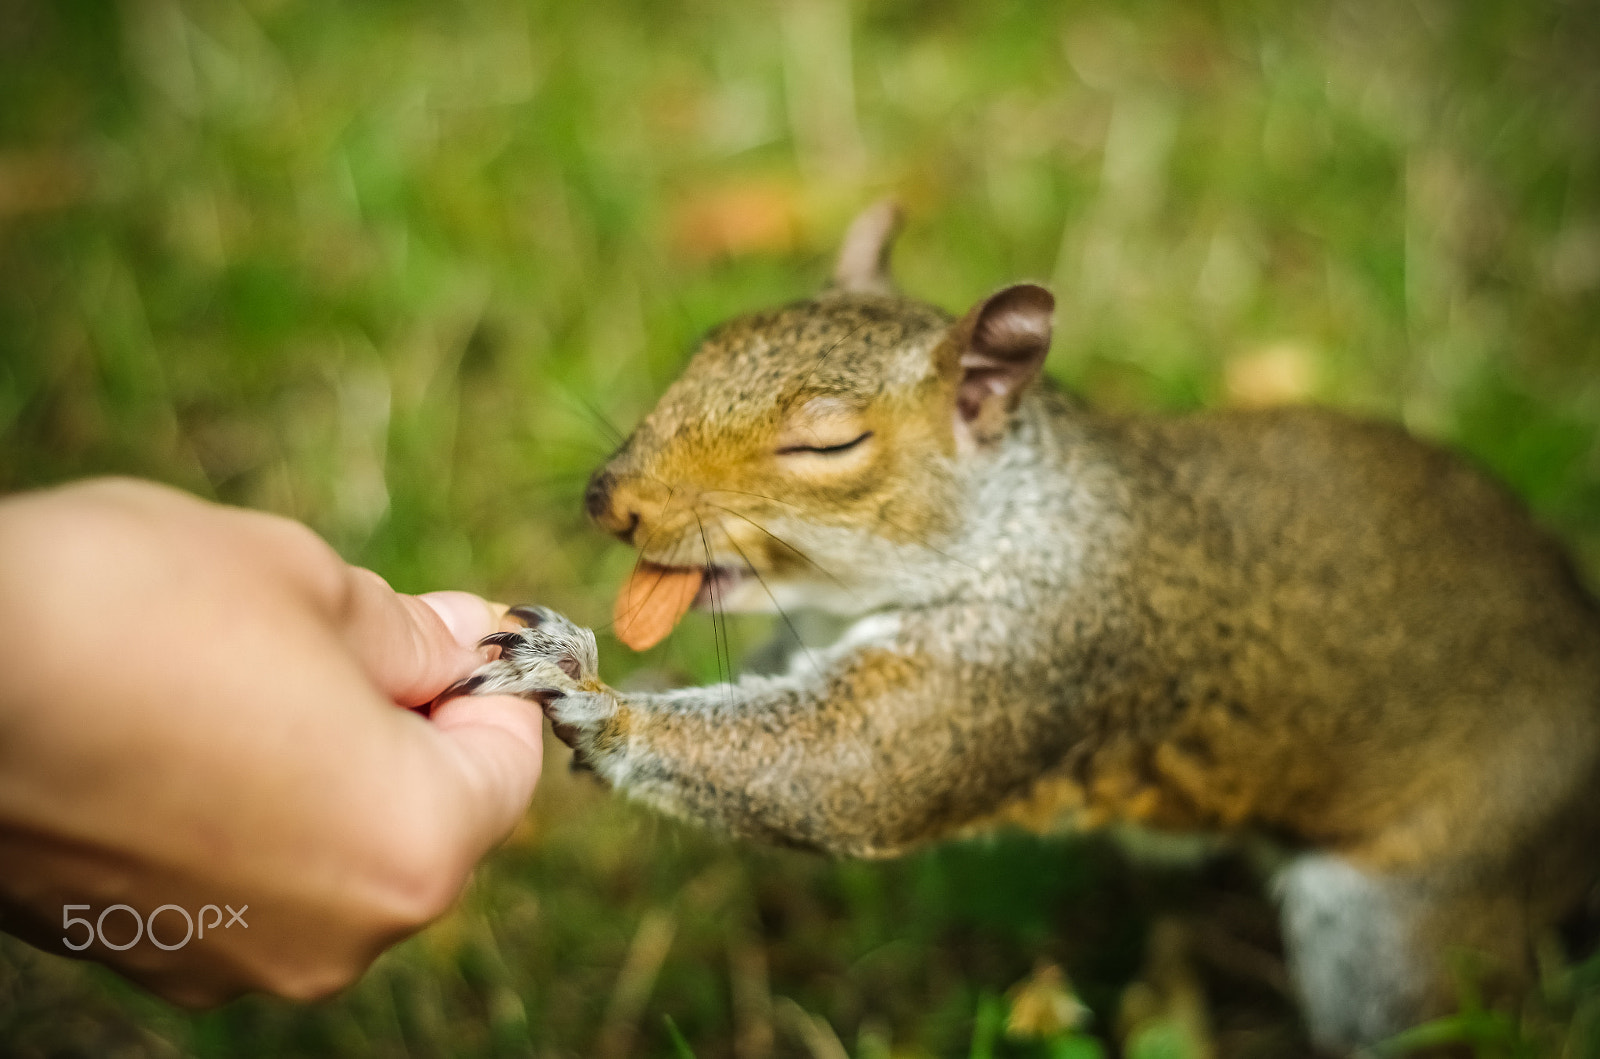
{"points": [[403, 270]]}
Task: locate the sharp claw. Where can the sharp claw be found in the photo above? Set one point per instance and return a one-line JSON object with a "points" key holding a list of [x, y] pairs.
{"points": [[564, 732], [503, 640], [527, 614], [464, 686]]}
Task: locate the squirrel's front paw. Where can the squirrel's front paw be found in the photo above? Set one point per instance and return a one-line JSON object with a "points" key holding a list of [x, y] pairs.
{"points": [[554, 662]]}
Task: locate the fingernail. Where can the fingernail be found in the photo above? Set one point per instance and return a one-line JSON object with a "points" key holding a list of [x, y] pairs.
{"points": [[468, 618]]}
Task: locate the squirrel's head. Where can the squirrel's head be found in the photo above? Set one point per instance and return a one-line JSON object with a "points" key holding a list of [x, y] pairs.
{"points": [[813, 444]]}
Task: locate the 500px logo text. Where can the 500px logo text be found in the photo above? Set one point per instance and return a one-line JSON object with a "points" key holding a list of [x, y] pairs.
{"points": [[94, 930]]}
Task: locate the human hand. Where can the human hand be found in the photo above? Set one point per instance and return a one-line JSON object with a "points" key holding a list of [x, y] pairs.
{"points": [[199, 706]]}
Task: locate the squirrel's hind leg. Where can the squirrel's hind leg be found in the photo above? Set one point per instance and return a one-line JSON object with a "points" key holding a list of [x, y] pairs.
{"points": [[1372, 954], [1349, 938]]}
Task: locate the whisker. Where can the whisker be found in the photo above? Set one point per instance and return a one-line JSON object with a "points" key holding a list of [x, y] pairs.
{"points": [[572, 399], [637, 607], [790, 547], [718, 620], [922, 542], [863, 743], [916, 538], [758, 496], [778, 606], [611, 430]]}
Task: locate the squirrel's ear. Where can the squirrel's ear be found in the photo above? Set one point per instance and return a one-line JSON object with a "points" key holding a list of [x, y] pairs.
{"points": [[1000, 346], [863, 263]]}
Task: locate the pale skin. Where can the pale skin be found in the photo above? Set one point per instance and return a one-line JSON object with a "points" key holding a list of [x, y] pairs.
{"points": [[201, 705]]}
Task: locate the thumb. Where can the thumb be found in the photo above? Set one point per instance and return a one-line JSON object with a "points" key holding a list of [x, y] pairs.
{"points": [[412, 647], [493, 744]]}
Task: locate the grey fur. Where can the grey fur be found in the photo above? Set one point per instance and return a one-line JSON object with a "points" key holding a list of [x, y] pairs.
{"points": [[1355, 956], [1288, 622]]}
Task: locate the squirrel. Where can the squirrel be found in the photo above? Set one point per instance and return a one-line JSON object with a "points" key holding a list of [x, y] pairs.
{"points": [[1289, 623]]}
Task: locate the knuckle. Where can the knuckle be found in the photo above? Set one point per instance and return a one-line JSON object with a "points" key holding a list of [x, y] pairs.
{"points": [[315, 982], [303, 557], [426, 877], [428, 893]]}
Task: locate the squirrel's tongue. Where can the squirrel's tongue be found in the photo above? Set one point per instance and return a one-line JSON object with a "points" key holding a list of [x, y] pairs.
{"points": [[652, 601]]}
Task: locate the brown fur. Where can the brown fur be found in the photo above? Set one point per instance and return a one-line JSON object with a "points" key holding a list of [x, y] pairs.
{"points": [[1290, 623]]}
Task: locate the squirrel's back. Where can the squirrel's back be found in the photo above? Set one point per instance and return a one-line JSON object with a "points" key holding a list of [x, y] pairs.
{"points": [[1356, 634]]}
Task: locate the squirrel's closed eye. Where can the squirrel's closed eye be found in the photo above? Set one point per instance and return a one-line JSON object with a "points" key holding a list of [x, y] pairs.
{"points": [[824, 450]]}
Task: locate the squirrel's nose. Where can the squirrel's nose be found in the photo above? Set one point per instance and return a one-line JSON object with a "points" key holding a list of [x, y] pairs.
{"points": [[597, 502], [597, 497]]}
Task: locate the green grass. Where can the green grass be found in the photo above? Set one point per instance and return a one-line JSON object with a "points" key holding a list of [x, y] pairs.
{"points": [[397, 269]]}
